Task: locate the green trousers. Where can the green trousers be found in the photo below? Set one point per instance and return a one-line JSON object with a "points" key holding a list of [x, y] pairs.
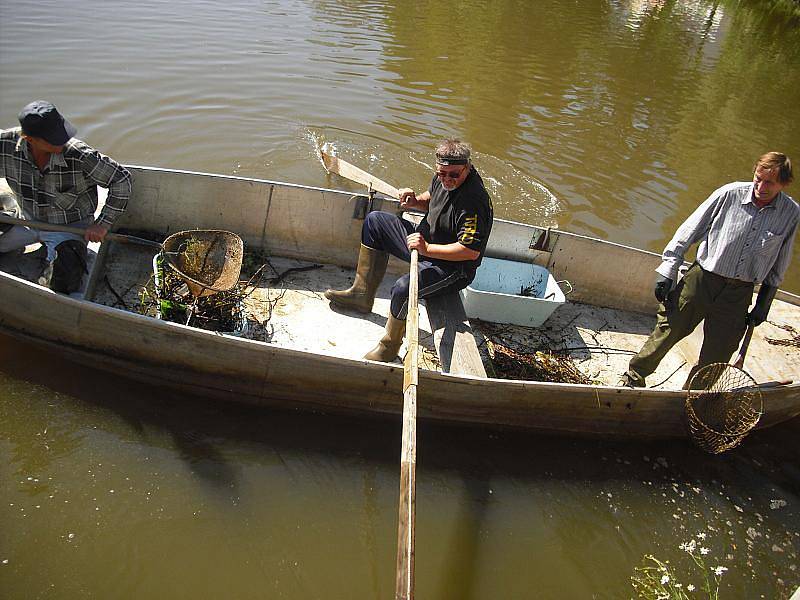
{"points": [[722, 302]]}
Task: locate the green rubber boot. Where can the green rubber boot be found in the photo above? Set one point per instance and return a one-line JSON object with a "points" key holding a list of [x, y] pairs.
{"points": [[389, 345], [369, 273]]}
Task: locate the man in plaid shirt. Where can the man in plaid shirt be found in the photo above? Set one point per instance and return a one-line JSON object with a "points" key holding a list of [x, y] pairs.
{"points": [[54, 179]]}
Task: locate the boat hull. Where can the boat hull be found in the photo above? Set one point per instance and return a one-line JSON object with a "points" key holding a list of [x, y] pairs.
{"points": [[236, 369]]}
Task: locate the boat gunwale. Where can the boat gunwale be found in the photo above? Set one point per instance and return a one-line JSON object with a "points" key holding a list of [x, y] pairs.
{"points": [[123, 315], [784, 295]]}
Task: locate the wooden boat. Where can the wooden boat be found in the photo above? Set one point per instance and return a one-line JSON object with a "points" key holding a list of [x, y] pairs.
{"points": [[307, 356]]}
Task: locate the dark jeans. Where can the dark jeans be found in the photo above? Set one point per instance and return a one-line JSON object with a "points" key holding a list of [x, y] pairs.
{"points": [[699, 295], [387, 232]]}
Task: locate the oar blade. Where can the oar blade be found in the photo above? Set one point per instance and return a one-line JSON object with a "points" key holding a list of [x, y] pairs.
{"points": [[334, 164]]}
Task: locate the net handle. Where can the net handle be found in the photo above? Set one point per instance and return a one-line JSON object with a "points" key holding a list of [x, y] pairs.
{"points": [[748, 335]]}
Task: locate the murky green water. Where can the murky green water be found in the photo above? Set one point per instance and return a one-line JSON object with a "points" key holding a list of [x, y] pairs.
{"points": [[629, 113]]}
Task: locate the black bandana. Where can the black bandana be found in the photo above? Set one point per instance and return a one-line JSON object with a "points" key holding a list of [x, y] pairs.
{"points": [[450, 160]]}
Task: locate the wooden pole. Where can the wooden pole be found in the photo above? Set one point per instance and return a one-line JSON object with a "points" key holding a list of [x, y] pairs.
{"points": [[404, 586], [116, 237], [748, 335]]}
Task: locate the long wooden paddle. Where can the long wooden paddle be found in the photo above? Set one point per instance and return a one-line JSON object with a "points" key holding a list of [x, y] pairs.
{"points": [[404, 586], [404, 583], [116, 237], [336, 165]]}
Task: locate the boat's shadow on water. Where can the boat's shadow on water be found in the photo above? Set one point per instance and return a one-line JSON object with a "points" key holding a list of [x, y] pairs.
{"points": [[198, 427], [488, 470]]}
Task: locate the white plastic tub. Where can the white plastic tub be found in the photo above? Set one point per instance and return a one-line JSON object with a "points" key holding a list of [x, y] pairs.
{"points": [[495, 293]]}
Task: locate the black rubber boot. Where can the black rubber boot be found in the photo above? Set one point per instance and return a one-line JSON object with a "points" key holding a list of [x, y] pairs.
{"points": [[69, 267]]}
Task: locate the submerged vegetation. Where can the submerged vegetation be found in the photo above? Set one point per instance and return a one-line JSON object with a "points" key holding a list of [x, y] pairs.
{"points": [[167, 296], [658, 580]]}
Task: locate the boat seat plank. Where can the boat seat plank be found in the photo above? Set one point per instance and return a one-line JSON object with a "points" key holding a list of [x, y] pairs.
{"points": [[453, 337]]}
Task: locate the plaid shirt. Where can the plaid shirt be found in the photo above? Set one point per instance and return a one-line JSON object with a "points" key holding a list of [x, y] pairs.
{"points": [[66, 190]]}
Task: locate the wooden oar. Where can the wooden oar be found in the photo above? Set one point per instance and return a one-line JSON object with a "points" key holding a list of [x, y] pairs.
{"points": [[404, 584], [116, 237], [336, 165]]}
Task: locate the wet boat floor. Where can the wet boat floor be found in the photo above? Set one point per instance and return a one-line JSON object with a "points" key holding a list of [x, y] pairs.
{"points": [[292, 312]]}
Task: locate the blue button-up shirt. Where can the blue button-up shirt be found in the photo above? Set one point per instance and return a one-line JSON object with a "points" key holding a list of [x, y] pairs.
{"points": [[65, 191], [736, 238]]}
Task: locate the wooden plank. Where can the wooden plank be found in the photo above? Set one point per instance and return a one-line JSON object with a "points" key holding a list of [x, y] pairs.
{"points": [[452, 335], [98, 268]]}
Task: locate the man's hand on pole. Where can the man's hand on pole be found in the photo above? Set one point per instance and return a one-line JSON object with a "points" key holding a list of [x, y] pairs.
{"points": [[416, 242], [95, 232]]}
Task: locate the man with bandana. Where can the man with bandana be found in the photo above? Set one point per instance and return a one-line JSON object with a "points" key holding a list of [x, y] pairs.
{"points": [[451, 241]]}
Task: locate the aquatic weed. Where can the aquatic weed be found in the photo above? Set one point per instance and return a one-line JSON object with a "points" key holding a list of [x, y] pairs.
{"points": [[658, 580]]}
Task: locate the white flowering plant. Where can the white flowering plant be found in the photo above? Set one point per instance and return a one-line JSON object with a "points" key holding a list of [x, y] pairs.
{"points": [[657, 580]]}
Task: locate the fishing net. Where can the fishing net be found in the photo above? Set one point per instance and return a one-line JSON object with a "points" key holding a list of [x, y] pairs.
{"points": [[209, 260], [722, 406]]}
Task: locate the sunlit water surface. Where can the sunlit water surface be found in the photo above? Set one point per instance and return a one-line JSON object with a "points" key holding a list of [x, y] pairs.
{"points": [[612, 119]]}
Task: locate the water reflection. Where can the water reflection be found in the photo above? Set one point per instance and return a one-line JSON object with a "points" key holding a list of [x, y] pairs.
{"points": [[155, 476], [43, 437], [701, 17], [613, 119]]}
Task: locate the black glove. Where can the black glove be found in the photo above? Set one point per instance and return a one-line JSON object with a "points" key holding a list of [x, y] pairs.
{"points": [[663, 287], [761, 309]]}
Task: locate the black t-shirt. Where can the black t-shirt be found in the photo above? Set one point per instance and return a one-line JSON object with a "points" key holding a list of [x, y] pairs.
{"points": [[462, 215]]}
